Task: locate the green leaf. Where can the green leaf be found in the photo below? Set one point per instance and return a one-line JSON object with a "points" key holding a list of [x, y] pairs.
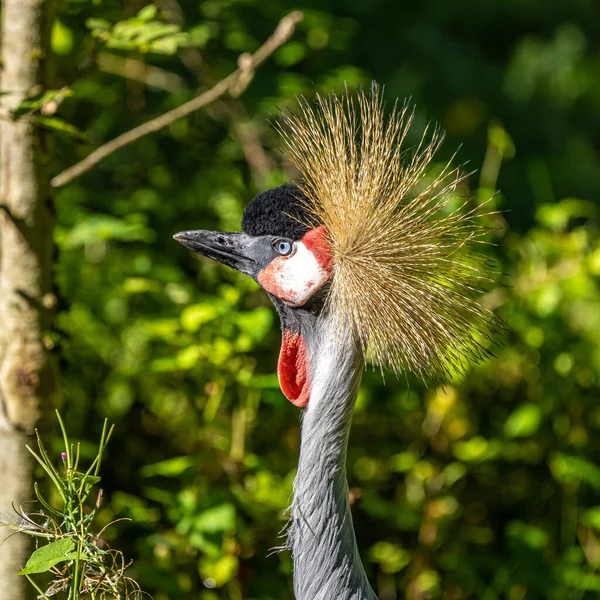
{"points": [[591, 517], [147, 13], [216, 519], [527, 535], [209, 545], [76, 556], [168, 44], [99, 228], [155, 31], [43, 502], [578, 579], [199, 35], [172, 467], [62, 38], [46, 557], [45, 463], [257, 323], [196, 315], [265, 382], [58, 124], [97, 25], [391, 557], [290, 54], [90, 480], [568, 469], [221, 570], [557, 215], [139, 285], [189, 357], [476, 449], [524, 421], [36, 103]]}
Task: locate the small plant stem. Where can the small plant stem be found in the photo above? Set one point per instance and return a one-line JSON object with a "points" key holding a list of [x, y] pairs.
{"points": [[77, 457], [51, 473], [39, 496], [82, 536], [34, 584], [74, 589], [68, 450], [104, 439]]}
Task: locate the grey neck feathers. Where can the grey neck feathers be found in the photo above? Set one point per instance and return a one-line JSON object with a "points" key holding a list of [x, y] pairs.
{"points": [[327, 564]]}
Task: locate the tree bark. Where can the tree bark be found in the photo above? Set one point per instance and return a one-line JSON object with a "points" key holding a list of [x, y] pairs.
{"points": [[27, 374]]}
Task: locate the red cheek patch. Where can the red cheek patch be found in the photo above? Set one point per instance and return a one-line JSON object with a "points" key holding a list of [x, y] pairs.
{"points": [[316, 241], [296, 277], [292, 368], [276, 279]]}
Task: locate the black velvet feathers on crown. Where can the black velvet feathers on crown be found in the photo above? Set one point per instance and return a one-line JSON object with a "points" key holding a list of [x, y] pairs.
{"points": [[278, 211]]}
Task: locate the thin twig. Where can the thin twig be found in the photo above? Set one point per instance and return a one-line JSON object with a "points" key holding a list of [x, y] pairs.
{"points": [[236, 81]]}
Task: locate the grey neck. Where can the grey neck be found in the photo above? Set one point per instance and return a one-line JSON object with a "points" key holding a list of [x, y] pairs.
{"points": [[327, 564]]}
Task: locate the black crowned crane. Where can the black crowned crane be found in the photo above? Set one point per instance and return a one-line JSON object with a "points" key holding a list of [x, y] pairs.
{"points": [[367, 258]]}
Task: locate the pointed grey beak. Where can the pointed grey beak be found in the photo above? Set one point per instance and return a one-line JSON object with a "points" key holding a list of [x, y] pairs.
{"points": [[236, 250]]}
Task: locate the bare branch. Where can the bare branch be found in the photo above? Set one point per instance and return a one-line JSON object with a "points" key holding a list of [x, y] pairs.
{"points": [[236, 81]]}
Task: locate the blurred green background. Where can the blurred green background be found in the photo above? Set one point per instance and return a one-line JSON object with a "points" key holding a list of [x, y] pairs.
{"points": [[488, 488]]}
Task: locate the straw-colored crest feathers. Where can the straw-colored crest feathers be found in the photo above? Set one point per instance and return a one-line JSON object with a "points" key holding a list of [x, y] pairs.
{"points": [[405, 275]]}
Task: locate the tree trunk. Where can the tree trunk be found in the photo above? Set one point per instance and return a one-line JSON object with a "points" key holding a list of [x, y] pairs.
{"points": [[27, 375]]}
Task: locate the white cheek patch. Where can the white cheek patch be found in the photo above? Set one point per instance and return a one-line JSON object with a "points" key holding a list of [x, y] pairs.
{"points": [[295, 278]]}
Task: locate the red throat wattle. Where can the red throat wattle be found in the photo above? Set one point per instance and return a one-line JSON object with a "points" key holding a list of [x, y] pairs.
{"points": [[292, 368]]}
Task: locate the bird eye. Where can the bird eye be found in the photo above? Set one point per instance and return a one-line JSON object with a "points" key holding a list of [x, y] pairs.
{"points": [[283, 247]]}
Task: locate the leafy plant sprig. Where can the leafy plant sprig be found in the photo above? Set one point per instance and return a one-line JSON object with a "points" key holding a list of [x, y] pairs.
{"points": [[81, 563]]}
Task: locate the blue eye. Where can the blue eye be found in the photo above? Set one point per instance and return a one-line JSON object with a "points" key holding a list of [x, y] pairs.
{"points": [[283, 247]]}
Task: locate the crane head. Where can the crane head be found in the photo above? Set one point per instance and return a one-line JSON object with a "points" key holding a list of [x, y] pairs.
{"points": [[286, 251], [376, 238]]}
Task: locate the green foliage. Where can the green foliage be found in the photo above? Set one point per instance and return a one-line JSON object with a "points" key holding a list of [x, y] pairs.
{"points": [[142, 33], [44, 558], [485, 489], [41, 102], [81, 565], [41, 108]]}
